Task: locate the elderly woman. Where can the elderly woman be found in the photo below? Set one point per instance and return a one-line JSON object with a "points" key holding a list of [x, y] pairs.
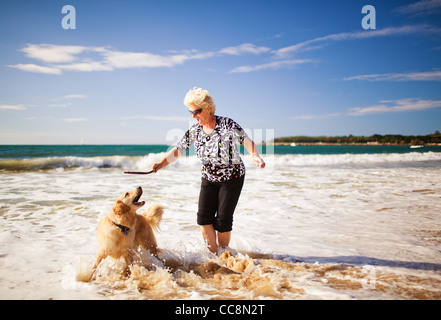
{"points": [[223, 172]]}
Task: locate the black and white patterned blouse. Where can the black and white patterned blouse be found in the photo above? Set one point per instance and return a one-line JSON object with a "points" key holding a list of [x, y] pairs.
{"points": [[218, 150]]}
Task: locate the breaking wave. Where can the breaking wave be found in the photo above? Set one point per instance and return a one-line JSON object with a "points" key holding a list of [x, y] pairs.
{"points": [[36, 164], [145, 162]]}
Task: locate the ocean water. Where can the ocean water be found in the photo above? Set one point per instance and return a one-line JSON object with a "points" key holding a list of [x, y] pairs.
{"points": [[319, 222]]}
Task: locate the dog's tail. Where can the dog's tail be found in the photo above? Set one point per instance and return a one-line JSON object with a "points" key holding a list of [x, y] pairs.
{"points": [[153, 215]]}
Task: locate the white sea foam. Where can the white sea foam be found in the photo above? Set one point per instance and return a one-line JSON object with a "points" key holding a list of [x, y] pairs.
{"points": [[143, 162], [307, 226]]}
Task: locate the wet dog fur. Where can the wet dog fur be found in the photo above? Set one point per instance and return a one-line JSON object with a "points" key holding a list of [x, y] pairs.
{"points": [[122, 231]]}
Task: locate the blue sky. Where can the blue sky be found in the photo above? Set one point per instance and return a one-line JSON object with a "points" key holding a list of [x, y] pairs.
{"points": [[287, 67]]}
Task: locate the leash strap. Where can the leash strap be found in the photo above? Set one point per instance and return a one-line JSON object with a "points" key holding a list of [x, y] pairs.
{"points": [[138, 172]]}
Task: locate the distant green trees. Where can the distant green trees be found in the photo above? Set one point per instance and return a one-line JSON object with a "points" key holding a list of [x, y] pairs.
{"points": [[434, 138]]}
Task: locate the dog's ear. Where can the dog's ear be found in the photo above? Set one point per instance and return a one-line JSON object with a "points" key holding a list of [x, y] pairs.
{"points": [[120, 207]]}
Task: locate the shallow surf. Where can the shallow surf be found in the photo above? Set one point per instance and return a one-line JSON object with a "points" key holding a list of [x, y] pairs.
{"points": [[307, 227]]}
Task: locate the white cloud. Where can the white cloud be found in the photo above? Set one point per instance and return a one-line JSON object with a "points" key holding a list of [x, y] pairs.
{"points": [[11, 107], [74, 119], [384, 106], [74, 96], [282, 55], [53, 53], [36, 68], [87, 66], [66, 97], [319, 42], [60, 105], [401, 105], [420, 7], [59, 58], [271, 65], [410, 76], [244, 48], [87, 59], [118, 59], [158, 118]]}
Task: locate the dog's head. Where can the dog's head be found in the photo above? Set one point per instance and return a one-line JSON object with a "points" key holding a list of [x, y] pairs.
{"points": [[128, 202]]}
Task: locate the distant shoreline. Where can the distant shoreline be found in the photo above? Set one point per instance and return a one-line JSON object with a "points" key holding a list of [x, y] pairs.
{"points": [[349, 144], [433, 139]]}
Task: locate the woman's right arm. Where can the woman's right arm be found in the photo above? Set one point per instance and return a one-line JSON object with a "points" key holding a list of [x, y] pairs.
{"points": [[169, 157]]}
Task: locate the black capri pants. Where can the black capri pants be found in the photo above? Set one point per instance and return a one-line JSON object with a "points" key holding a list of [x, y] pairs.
{"points": [[217, 202]]}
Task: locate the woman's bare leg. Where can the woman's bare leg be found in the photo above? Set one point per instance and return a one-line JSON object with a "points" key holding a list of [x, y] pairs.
{"points": [[223, 238], [209, 235]]}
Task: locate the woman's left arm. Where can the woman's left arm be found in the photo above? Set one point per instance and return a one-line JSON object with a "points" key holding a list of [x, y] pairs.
{"points": [[251, 147]]}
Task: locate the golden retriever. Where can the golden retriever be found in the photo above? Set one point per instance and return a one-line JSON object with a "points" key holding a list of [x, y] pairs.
{"points": [[122, 231]]}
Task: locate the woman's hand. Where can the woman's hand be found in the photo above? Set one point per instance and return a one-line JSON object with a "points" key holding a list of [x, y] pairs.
{"points": [[251, 147], [258, 161], [169, 157], [157, 166]]}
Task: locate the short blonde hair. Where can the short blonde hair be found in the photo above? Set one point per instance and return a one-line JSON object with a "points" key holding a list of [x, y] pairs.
{"points": [[199, 98]]}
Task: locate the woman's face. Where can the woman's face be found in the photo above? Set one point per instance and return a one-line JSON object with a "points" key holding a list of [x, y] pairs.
{"points": [[201, 116]]}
